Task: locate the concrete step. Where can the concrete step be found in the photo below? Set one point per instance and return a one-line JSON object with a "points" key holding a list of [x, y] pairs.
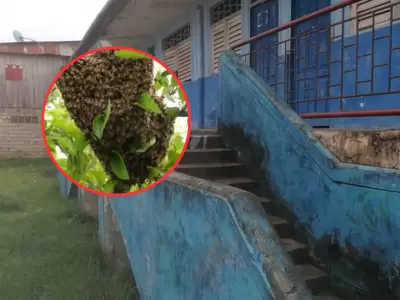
{"points": [[208, 156], [268, 205], [210, 141], [204, 131], [326, 296], [297, 251], [283, 228], [316, 279], [244, 183], [212, 170]]}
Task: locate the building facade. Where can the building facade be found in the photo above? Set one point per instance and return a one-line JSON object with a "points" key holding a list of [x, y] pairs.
{"points": [[346, 60], [26, 71]]}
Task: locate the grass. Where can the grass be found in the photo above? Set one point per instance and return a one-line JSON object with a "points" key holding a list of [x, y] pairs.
{"points": [[48, 250]]}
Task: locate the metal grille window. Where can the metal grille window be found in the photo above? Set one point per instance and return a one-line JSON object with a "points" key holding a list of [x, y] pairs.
{"points": [[178, 36], [24, 120], [178, 53], [224, 9]]}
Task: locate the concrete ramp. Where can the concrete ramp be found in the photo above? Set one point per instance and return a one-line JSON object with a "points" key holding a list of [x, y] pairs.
{"points": [[188, 238], [336, 199]]}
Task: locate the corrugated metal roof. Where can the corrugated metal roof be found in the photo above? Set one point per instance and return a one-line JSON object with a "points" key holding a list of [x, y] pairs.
{"points": [[40, 48]]}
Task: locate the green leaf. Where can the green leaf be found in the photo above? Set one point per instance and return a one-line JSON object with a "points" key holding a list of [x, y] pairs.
{"points": [[109, 186], [157, 85], [148, 103], [118, 166], [65, 145], [134, 188], [174, 151], [162, 79], [156, 173], [173, 112], [177, 142], [140, 146], [129, 54], [181, 96], [100, 122], [174, 83]]}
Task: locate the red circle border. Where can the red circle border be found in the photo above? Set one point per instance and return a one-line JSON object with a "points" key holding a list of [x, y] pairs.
{"points": [[44, 110]]}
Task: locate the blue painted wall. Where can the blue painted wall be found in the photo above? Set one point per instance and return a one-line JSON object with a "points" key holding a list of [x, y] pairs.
{"points": [[101, 222], [358, 205], [65, 185], [203, 99], [202, 102], [194, 91], [190, 239]]}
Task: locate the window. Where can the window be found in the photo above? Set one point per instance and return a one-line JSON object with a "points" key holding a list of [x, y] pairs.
{"points": [[24, 119], [223, 9], [178, 52], [226, 28], [373, 13]]}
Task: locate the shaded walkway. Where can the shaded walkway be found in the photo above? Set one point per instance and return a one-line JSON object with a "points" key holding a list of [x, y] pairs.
{"points": [[47, 250]]}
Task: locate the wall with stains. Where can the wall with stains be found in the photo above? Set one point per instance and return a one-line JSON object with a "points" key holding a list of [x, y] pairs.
{"points": [[187, 238], [357, 207], [380, 148]]}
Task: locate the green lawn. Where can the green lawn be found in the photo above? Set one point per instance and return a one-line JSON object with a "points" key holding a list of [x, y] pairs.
{"points": [[47, 249]]}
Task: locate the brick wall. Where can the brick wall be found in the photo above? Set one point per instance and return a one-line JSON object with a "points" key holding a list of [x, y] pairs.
{"points": [[20, 135]]}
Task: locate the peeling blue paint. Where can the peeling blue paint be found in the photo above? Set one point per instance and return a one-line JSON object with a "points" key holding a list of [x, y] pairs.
{"points": [[65, 185], [101, 221], [361, 203], [189, 239]]}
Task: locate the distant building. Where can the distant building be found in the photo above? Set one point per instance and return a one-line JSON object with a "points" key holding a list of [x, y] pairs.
{"points": [[26, 71]]}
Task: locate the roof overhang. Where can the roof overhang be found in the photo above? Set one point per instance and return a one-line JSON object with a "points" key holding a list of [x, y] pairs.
{"points": [[132, 22]]}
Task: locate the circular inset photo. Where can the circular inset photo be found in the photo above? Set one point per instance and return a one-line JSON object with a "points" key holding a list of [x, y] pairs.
{"points": [[116, 121]]}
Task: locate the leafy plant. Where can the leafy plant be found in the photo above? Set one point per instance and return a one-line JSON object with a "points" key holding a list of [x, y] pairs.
{"points": [[147, 102], [69, 146], [74, 153], [100, 122]]}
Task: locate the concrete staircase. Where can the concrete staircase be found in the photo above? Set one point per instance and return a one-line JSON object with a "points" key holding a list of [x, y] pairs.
{"points": [[207, 158]]}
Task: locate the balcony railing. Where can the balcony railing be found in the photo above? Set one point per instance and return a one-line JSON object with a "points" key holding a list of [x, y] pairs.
{"points": [[341, 61]]}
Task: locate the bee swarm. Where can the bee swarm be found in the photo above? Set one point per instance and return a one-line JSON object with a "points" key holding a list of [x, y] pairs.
{"points": [[90, 83]]}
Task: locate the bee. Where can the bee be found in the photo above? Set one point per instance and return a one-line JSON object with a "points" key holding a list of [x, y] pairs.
{"points": [[90, 83]]}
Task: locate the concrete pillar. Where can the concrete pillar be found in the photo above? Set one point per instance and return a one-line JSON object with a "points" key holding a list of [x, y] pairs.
{"points": [[245, 15], [159, 53], [89, 203], [113, 246], [207, 39], [196, 35]]}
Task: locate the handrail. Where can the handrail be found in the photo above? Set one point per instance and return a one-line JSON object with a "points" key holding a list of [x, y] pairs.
{"points": [[353, 114], [297, 21], [344, 113]]}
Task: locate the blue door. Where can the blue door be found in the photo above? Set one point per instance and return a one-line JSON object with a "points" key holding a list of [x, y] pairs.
{"points": [[311, 57], [264, 57]]}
